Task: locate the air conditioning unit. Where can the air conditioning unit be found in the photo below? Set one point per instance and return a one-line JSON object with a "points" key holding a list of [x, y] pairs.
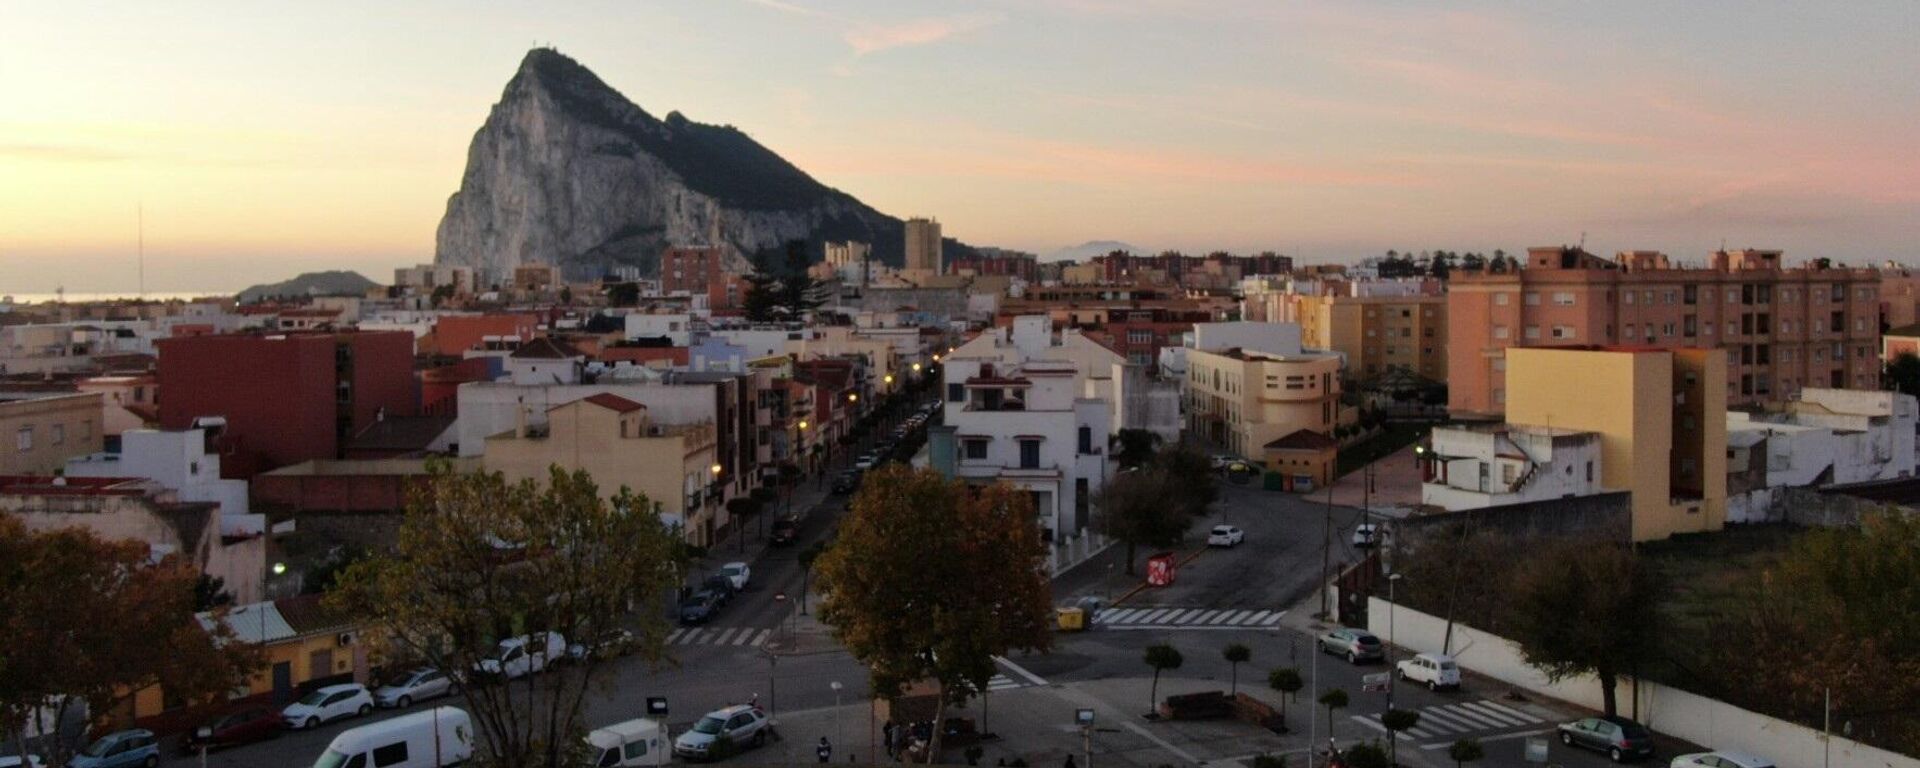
{"points": [[345, 639]]}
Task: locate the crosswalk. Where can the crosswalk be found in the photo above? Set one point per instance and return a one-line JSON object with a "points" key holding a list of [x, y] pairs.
{"points": [[1185, 618], [1004, 683], [741, 636], [1458, 720]]}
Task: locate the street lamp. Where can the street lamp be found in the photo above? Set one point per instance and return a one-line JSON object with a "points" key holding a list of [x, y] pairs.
{"points": [[837, 735], [1392, 579], [853, 397], [888, 378], [916, 367]]}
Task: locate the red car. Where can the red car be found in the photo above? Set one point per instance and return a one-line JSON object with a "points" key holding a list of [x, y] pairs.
{"points": [[241, 726]]}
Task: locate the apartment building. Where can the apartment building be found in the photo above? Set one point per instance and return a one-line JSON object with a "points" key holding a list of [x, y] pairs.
{"points": [[45, 429], [1474, 466], [1782, 329], [922, 247], [1242, 399], [1660, 415], [1377, 333]]}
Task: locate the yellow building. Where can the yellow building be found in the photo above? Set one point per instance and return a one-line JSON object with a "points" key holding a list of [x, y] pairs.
{"points": [[1241, 400], [42, 430], [1661, 417], [1377, 333], [613, 439]]}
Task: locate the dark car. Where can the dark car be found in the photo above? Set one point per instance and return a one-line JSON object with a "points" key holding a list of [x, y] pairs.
{"points": [[699, 607], [846, 482], [785, 532], [1621, 739], [721, 587], [242, 726]]}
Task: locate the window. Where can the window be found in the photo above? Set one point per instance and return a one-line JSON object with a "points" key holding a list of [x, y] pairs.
{"points": [[1563, 331], [1507, 473], [635, 749], [23, 439], [1533, 299], [1690, 294], [1689, 325], [1500, 332], [1589, 471], [1533, 332], [975, 448], [1029, 454], [1627, 331], [59, 434], [1563, 299], [956, 393], [1086, 440], [1500, 299], [391, 754], [1626, 297]]}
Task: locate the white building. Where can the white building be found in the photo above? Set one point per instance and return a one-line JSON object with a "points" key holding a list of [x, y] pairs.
{"points": [[178, 460], [1827, 437], [1495, 465], [1021, 408], [676, 328], [1271, 338]]}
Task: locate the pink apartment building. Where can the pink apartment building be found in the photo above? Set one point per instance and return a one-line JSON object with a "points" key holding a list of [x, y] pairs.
{"points": [[1782, 329]]}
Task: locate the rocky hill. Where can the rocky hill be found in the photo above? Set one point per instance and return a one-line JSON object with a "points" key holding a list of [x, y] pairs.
{"points": [[568, 171], [330, 283]]}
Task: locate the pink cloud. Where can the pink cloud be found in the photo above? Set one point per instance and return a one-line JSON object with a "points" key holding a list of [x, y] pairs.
{"points": [[873, 38]]}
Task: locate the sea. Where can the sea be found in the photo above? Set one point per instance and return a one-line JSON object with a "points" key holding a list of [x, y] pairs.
{"points": [[73, 297]]}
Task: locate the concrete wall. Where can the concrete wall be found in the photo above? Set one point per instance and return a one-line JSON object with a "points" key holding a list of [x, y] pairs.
{"points": [[1602, 517], [1665, 709]]}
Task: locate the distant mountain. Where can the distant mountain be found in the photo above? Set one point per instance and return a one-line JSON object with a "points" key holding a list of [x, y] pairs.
{"points": [[568, 171], [330, 283], [1092, 248]]}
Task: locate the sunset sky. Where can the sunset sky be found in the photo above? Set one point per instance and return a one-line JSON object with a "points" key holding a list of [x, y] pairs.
{"points": [[266, 139]]}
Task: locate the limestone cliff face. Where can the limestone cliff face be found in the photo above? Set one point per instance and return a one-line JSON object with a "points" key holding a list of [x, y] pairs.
{"points": [[568, 171]]}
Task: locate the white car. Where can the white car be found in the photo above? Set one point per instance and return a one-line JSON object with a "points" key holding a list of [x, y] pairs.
{"points": [[1225, 536], [738, 573], [1368, 534], [1222, 460], [1720, 759], [1435, 670], [411, 686], [518, 657], [741, 724], [328, 704]]}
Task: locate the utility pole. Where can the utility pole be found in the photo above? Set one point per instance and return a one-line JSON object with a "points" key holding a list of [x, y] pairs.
{"points": [[1326, 551]]}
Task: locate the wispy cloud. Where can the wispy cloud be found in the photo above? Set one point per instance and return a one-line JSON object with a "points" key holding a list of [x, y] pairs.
{"points": [[61, 153], [792, 8], [873, 38]]}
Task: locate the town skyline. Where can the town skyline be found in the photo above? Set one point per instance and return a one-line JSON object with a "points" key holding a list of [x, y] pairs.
{"points": [[266, 145]]}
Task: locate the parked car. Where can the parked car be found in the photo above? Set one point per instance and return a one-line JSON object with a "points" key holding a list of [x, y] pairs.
{"points": [[628, 744], [412, 685], [786, 530], [1225, 536], [721, 586], [137, 746], [13, 761], [1357, 645], [699, 607], [1220, 461], [1368, 534], [846, 482], [1720, 759], [328, 704], [738, 572], [1621, 739], [743, 725], [242, 726], [441, 736], [1435, 670], [865, 462], [517, 657], [611, 643]]}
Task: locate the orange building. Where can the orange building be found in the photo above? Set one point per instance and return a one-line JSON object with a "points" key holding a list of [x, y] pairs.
{"points": [[453, 335], [1782, 329]]}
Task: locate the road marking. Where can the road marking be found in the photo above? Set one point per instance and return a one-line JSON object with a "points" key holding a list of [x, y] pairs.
{"points": [[1474, 717], [1220, 618], [1152, 618], [761, 638], [1019, 670], [1442, 718], [1115, 614], [1256, 619], [1148, 735], [744, 635], [1368, 721], [1179, 616], [1522, 716], [1496, 715], [1003, 683], [675, 635], [1238, 616], [725, 635], [1485, 739]]}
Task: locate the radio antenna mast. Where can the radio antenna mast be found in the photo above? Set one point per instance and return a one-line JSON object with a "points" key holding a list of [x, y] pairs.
{"points": [[142, 251]]}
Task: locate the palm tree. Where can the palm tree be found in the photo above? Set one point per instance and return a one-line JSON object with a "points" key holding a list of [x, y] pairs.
{"points": [[1236, 653], [1397, 720], [1465, 751], [1160, 657], [1286, 681]]}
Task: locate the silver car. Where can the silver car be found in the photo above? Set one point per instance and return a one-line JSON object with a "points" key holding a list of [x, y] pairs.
{"points": [[402, 690], [1357, 645]]}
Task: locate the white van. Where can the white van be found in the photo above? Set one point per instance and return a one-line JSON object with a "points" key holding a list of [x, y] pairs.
{"points": [[517, 657], [442, 736], [634, 742]]}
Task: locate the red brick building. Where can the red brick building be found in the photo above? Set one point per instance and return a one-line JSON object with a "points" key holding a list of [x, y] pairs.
{"points": [[286, 398], [453, 335]]}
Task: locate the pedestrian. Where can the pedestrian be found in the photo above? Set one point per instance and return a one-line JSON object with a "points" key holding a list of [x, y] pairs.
{"points": [[825, 750], [886, 736], [1069, 760]]}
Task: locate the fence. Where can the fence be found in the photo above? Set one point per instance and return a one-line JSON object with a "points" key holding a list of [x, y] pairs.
{"points": [[1668, 710]]}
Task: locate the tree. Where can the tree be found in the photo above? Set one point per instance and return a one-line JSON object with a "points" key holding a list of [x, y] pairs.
{"points": [[1465, 751], [799, 292], [1285, 680], [96, 623], [1903, 374], [479, 558], [1473, 262], [1332, 699], [1191, 472], [1576, 608], [1136, 447], [1395, 721], [210, 592], [1140, 507], [931, 579], [1367, 755], [1161, 657], [1235, 654], [761, 304], [623, 294], [807, 557]]}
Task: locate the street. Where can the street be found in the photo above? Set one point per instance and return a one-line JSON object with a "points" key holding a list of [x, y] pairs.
{"points": [[1260, 594]]}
